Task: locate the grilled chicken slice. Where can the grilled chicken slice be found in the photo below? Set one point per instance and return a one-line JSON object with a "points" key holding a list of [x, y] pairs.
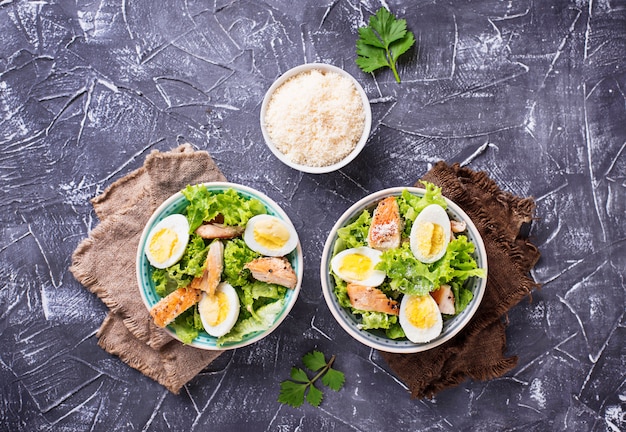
{"points": [[457, 226], [371, 299], [212, 274], [386, 228], [172, 305], [219, 231], [273, 270], [445, 299]]}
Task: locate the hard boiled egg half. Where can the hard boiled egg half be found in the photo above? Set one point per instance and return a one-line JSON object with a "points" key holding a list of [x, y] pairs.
{"points": [[430, 234], [270, 236], [420, 318], [357, 265], [167, 241], [220, 311]]}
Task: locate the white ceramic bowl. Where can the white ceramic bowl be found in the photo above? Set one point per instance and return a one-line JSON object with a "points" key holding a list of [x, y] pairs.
{"points": [[366, 109], [376, 338], [177, 203]]}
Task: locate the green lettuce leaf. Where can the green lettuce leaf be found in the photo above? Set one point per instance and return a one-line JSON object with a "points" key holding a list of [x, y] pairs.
{"points": [[376, 320], [411, 205], [191, 265], [462, 297], [395, 331], [163, 285], [355, 234], [457, 264], [257, 294], [184, 332], [341, 292], [410, 276], [188, 325], [236, 255], [405, 272], [198, 208], [266, 316]]}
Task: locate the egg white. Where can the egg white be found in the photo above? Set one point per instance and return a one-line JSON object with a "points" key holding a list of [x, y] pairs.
{"points": [[416, 334], [232, 299], [437, 215], [179, 225], [370, 277], [252, 227]]}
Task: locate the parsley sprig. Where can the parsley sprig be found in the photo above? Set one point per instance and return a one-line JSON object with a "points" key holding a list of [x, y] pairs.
{"points": [[292, 392], [382, 42]]}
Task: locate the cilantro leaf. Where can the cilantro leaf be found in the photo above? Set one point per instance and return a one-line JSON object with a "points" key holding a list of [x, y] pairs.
{"points": [[294, 391], [299, 375], [370, 58], [389, 29], [382, 42], [314, 360], [314, 396], [401, 46], [368, 37], [333, 379]]}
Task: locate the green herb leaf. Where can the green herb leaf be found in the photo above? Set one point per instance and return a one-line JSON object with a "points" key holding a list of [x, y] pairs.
{"points": [[368, 37], [370, 58], [386, 25], [314, 396], [299, 375], [294, 391], [333, 379], [382, 42], [401, 46], [314, 360]]}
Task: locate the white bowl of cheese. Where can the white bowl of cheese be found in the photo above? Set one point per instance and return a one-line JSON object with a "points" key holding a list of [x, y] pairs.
{"points": [[316, 118]]}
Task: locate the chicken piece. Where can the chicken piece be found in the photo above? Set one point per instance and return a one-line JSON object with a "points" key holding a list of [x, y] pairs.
{"points": [[174, 304], [386, 227], [445, 299], [274, 270], [371, 299], [219, 231], [457, 226], [212, 274]]}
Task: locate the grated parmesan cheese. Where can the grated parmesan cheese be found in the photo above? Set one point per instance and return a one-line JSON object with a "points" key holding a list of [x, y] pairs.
{"points": [[315, 118]]}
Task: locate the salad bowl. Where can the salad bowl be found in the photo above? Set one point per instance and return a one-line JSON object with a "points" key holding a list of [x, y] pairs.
{"points": [[352, 323], [178, 204]]}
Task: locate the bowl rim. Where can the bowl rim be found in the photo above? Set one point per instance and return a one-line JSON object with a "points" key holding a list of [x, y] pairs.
{"points": [[364, 336], [274, 208], [366, 127]]}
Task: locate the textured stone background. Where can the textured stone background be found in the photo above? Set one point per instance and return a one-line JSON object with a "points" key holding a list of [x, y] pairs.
{"points": [[532, 92]]}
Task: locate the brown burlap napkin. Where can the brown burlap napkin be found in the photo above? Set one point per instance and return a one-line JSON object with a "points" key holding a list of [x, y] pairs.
{"points": [[477, 352], [105, 264]]}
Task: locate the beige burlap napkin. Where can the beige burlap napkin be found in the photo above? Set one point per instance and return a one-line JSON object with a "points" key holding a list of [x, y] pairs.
{"points": [[105, 264]]}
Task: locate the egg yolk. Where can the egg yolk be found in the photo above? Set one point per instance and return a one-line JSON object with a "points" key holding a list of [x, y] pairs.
{"points": [[163, 244], [420, 312], [271, 233], [430, 239], [215, 309], [356, 266]]}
